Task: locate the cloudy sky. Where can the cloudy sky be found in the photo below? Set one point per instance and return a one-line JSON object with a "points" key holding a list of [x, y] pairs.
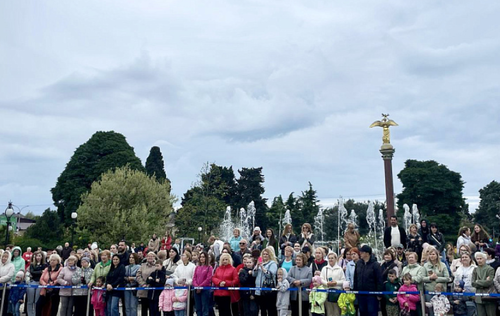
{"points": [[291, 86]]}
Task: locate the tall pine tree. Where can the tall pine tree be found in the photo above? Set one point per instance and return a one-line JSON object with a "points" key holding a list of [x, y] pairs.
{"points": [[155, 165], [250, 188]]}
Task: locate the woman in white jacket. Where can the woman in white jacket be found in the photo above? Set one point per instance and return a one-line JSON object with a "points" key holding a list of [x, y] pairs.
{"points": [[6, 268], [332, 277], [463, 237], [183, 274]]}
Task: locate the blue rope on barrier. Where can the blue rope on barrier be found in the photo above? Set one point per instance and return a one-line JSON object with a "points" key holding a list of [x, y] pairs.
{"points": [[292, 289]]}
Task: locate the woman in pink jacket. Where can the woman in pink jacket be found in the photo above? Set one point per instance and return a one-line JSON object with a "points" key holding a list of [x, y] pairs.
{"points": [[408, 301], [202, 278], [224, 276], [173, 301]]}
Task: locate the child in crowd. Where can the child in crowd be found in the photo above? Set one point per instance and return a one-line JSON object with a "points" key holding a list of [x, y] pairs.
{"points": [[440, 303], [391, 285], [408, 302], [98, 299], [283, 300], [157, 278], [256, 245], [165, 303], [246, 276], [16, 295], [346, 301], [458, 301], [317, 299], [179, 302]]}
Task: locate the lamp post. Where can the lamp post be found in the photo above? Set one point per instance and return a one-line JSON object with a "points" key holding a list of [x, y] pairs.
{"points": [[9, 211], [74, 215], [199, 234]]}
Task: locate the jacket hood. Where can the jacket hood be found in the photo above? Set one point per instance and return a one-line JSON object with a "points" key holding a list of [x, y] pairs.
{"points": [[20, 252], [285, 274], [8, 259]]}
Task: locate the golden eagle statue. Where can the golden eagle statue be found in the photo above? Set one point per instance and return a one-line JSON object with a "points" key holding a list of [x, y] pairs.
{"points": [[385, 123]]}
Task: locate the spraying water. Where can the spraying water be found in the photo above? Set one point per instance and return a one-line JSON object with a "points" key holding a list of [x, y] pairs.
{"points": [[227, 226], [372, 223], [416, 215], [407, 218], [251, 210], [353, 218], [319, 220], [287, 219]]}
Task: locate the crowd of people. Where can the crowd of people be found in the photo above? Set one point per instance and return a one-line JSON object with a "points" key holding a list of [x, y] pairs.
{"points": [[417, 262]]}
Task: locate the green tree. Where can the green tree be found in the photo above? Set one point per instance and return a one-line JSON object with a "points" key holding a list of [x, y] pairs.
{"points": [[308, 205], [48, 228], [436, 190], [250, 188], [275, 213], [204, 204], [489, 205], [155, 165], [125, 203], [102, 152]]}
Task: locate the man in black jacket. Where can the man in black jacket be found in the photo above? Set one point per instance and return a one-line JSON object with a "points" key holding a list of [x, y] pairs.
{"points": [[394, 235], [367, 277]]}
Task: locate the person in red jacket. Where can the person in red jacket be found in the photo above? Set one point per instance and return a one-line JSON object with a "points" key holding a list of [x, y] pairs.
{"points": [[225, 276], [27, 258]]}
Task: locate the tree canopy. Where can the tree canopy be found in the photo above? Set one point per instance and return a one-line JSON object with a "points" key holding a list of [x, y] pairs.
{"points": [[436, 190], [48, 228], [489, 205], [125, 203], [102, 152]]}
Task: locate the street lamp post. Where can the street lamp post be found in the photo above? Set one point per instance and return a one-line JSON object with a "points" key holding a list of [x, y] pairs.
{"points": [[74, 215], [9, 211], [199, 234]]}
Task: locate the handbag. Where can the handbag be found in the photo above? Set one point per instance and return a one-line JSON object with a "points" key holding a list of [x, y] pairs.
{"points": [[269, 281]]}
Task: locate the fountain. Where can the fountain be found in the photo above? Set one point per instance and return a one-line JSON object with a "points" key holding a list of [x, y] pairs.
{"points": [[407, 218], [380, 229], [416, 215], [319, 220], [372, 224], [353, 218], [243, 224], [342, 215], [287, 219], [251, 210], [227, 226]]}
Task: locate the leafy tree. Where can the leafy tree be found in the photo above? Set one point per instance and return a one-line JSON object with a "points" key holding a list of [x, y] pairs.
{"points": [[276, 210], [436, 190], [48, 228], [31, 215], [102, 152], [308, 205], [204, 204], [489, 205], [249, 188], [125, 203], [155, 165]]}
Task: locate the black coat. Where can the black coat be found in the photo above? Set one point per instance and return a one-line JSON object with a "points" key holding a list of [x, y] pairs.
{"points": [[151, 281], [246, 280], [116, 277], [368, 276], [284, 242], [387, 236]]}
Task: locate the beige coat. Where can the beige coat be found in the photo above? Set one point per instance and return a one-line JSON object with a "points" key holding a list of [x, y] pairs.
{"points": [[142, 274]]}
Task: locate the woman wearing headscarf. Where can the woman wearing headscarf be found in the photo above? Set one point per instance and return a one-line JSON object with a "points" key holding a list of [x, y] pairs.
{"points": [[65, 278], [141, 277], [81, 277], [6, 272], [424, 230]]}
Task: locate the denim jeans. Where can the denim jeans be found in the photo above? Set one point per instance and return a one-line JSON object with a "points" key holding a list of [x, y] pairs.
{"points": [[14, 308], [32, 296], [202, 302], [180, 313], [112, 306], [130, 301]]}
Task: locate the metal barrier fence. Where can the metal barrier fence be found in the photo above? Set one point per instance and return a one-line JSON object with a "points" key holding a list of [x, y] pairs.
{"points": [[192, 288]]}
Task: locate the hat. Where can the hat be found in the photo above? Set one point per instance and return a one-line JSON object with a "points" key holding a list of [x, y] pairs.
{"points": [[20, 274], [366, 248], [316, 279], [86, 259], [401, 246], [256, 228], [306, 249], [346, 284], [170, 282]]}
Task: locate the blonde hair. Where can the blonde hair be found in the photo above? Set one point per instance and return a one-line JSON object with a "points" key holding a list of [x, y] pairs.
{"points": [[440, 265], [270, 252], [225, 255], [55, 256]]}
